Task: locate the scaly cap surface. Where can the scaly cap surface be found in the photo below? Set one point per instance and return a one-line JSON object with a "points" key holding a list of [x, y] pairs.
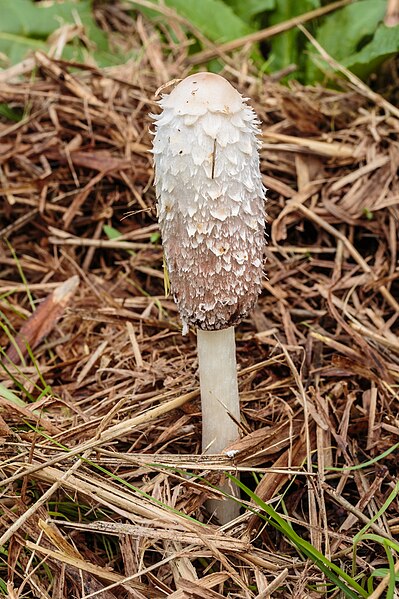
{"points": [[210, 200]]}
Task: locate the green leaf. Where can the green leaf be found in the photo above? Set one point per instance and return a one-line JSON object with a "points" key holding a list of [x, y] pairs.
{"points": [[330, 569], [10, 113], [111, 232], [344, 31], [365, 464], [384, 44], [26, 25], [213, 18], [251, 8], [361, 534], [286, 48], [382, 572], [10, 396], [155, 237]]}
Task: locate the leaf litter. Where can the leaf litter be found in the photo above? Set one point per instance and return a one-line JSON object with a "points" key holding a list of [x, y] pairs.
{"points": [[103, 485]]}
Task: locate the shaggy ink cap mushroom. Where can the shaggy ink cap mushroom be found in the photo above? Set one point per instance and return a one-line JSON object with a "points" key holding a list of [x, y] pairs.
{"points": [[210, 200]]}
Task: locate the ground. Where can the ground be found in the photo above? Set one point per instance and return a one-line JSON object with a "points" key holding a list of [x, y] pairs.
{"points": [[103, 486]]}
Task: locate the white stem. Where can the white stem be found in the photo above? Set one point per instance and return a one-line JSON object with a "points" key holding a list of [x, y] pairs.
{"points": [[219, 399]]}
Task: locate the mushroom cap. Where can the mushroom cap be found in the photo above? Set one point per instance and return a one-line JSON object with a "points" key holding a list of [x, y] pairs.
{"points": [[210, 200], [204, 92]]}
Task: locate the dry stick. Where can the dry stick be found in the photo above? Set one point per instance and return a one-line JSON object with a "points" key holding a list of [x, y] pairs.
{"points": [[323, 148], [273, 586], [156, 461], [76, 562], [12, 73], [19, 522], [76, 87], [102, 243], [366, 332], [223, 541], [351, 249], [392, 13], [355, 511], [119, 429], [193, 588], [25, 121], [355, 81], [214, 549], [258, 36], [130, 578], [303, 398], [115, 432], [124, 502]]}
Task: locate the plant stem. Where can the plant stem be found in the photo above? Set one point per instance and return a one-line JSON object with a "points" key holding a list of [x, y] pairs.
{"points": [[219, 400]]}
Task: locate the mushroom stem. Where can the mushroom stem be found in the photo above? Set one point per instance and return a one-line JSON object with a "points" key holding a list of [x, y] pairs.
{"points": [[220, 404]]}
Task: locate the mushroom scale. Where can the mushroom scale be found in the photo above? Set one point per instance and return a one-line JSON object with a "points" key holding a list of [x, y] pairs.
{"points": [[210, 200]]}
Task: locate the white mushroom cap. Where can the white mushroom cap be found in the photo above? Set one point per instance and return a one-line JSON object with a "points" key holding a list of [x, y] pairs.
{"points": [[202, 92], [210, 200]]}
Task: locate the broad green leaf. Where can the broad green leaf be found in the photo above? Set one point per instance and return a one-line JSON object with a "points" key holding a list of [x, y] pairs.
{"points": [[384, 44], [26, 25], [213, 18], [16, 47], [345, 31], [286, 48], [250, 8]]}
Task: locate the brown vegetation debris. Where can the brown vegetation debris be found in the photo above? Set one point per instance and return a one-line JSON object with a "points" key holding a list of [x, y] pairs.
{"points": [[100, 420]]}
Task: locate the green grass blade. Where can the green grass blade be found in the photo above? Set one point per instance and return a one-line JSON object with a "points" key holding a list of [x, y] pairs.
{"points": [[22, 275], [365, 464], [36, 366], [11, 396], [331, 570], [115, 477], [392, 577], [13, 343], [391, 497]]}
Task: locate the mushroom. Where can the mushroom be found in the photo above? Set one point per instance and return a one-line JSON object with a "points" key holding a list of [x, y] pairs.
{"points": [[211, 214]]}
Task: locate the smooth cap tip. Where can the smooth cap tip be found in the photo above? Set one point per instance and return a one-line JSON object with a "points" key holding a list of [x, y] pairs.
{"points": [[206, 91]]}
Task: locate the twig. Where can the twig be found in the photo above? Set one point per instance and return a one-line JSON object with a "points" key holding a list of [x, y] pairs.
{"points": [[102, 243], [115, 432], [352, 250], [41, 501], [323, 148], [353, 510], [266, 593]]}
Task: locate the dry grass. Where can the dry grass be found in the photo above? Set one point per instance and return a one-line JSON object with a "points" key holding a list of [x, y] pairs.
{"points": [[103, 486]]}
